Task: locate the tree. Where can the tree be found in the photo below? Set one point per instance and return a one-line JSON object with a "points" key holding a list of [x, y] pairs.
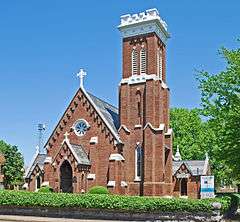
{"points": [[191, 134], [195, 137], [220, 95], [13, 167]]}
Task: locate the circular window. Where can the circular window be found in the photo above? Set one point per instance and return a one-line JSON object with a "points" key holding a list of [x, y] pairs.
{"points": [[80, 127]]}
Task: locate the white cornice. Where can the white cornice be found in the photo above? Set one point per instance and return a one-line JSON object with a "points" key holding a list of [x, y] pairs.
{"points": [[143, 23]]}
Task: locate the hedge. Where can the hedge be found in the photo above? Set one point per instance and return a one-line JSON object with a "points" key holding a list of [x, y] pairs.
{"points": [[46, 189], [98, 190], [123, 203]]}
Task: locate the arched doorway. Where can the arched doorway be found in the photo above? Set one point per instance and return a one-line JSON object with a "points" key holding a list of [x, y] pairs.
{"points": [[183, 185], [66, 183]]}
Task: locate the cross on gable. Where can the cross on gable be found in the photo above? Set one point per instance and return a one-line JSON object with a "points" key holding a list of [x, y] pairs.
{"points": [[81, 75], [66, 135]]}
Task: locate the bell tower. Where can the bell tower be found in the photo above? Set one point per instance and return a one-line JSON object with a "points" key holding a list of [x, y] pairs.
{"points": [[144, 105]]}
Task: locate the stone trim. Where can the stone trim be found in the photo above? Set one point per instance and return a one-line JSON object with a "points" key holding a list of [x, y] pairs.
{"points": [[91, 176], [136, 79], [123, 183], [124, 127], [111, 183], [45, 183], [93, 140], [169, 132], [116, 157], [138, 126], [48, 160], [160, 128]]}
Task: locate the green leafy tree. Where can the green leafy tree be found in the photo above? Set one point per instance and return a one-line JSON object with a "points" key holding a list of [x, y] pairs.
{"points": [[13, 167], [191, 134], [220, 94], [195, 137]]}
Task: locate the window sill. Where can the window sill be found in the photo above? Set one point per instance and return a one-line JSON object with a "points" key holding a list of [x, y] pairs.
{"points": [[137, 180]]}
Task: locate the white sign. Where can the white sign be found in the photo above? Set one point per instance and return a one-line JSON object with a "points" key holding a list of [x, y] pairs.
{"points": [[207, 187]]}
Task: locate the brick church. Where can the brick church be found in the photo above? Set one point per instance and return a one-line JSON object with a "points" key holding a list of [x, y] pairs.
{"points": [[126, 149]]}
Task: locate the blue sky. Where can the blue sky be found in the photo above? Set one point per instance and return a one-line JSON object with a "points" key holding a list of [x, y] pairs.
{"points": [[44, 43]]}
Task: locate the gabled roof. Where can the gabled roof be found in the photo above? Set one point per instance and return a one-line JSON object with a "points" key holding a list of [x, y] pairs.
{"points": [[196, 167], [80, 154], [109, 112], [105, 111], [39, 160]]}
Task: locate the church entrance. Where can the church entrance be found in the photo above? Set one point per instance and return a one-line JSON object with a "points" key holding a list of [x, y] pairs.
{"points": [[66, 183], [183, 185]]}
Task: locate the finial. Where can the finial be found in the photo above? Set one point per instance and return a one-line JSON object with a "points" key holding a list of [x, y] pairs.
{"points": [[206, 156], [177, 156], [81, 75]]}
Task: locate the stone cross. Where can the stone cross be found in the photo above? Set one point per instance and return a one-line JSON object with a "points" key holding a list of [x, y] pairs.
{"points": [[66, 135], [81, 75]]}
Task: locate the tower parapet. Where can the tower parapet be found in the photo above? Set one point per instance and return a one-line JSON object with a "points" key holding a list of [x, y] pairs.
{"points": [[143, 23]]}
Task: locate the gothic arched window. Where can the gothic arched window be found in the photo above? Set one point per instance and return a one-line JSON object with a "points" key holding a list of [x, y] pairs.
{"points": [[38, 182], [134, 62], [143, 61], [138, 162], [159, 62], [139, 106]]}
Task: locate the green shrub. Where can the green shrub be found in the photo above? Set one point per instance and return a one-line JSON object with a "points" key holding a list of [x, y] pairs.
{"points": [[98, 190], [116, 202], [45, 189]]}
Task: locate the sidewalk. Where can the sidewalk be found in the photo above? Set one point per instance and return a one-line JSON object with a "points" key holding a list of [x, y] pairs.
{"points": [[8, 218]]}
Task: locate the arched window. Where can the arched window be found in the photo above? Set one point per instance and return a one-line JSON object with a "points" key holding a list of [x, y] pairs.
{"points": [[38, 182], [134, 62], [138, 163], [143, 62], [159, 61], [139, 106]]}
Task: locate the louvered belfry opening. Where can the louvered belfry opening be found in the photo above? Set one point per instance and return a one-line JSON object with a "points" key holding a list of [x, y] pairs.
{"points": [[134, 62], [143, 62]]}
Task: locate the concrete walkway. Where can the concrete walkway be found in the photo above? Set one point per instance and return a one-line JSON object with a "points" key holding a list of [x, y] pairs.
{"points": [[8, 218]]}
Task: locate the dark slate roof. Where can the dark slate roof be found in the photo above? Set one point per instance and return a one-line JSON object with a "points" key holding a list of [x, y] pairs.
{"points": [[192, 165], [81, 154], [110, 112], [39, 160]]}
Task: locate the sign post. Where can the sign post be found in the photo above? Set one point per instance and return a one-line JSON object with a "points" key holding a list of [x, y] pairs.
{"points": [[207, 187]]}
